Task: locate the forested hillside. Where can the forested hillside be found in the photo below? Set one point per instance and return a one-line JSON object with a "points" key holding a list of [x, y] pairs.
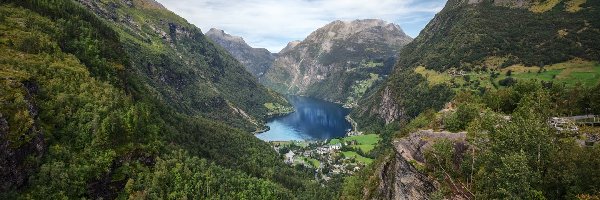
{"points": [[182, 68], [487, 44], [96, 103]]}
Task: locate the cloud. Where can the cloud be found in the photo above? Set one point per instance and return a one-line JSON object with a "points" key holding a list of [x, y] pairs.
{"points": [[272, 24]]}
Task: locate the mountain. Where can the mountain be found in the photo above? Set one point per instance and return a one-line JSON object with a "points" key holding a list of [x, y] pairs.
{"points": [[256, 60], [478, 44], [339, 61], [183, 68], [124, 99]]}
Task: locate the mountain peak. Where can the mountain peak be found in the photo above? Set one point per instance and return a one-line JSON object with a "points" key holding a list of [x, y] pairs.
{"points": [[290, 46], [343, 29], [256, 60], [218, 33]]}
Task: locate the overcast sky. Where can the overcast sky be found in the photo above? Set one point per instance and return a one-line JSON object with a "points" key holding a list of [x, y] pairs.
{"points": [[272, 24]]}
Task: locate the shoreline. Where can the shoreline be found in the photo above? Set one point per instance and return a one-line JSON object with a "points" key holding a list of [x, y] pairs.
{"points": [[354, 125]]}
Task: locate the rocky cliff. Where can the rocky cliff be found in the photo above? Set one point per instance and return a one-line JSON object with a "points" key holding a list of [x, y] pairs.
{"points": [[256, 60], [19, 151], [398, 176], [338, 61]]}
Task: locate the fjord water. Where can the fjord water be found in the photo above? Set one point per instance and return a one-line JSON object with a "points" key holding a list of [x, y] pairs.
{"points": [[314, 119]]}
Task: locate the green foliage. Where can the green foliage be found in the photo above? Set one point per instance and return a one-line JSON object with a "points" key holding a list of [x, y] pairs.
{"points": [[458, 121], [507, 82], [465, 35], [523, 157], [411, 93], [514, 179], [181, 176], [108, 128]]}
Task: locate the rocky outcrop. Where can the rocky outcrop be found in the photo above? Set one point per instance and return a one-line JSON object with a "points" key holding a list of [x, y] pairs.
{"points": [[15, 168], [256, 60], [290, 46], [388, 109], [399, 179], [331, 59]]}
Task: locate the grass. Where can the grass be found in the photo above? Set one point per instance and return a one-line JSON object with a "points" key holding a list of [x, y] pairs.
{"points": [[370, 139], [359, 158], [364, 147], [571, 73], [574, 5], [275, 108], [314, 162], [544, 6], [365, 143], [433, 77]]}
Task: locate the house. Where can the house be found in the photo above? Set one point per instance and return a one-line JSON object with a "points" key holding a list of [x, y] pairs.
{"points": [[335, 146], [289, 157]]}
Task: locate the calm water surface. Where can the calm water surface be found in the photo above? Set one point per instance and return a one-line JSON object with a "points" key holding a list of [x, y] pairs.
{"points": [[313, 120]]}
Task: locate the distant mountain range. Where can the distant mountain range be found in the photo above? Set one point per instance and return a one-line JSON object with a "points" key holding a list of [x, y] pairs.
{"points": [[338, 62]]}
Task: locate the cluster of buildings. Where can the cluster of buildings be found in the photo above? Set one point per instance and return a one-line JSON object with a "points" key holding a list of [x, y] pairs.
{"points": [[330, 157]]}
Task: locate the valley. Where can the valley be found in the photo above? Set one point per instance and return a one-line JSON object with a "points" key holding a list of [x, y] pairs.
{"points": [[127, 99]]}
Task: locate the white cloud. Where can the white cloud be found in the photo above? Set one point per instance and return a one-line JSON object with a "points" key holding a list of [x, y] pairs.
{"points": [[272, 23]]}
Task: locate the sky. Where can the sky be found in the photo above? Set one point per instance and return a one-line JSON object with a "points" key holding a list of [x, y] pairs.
{"points": [[271, 24]]}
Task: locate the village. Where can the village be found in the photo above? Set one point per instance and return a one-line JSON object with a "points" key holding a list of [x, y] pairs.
{"points": [[330, 157]]}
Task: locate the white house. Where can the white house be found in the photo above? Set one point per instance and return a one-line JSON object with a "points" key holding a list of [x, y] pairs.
{"points": [[336, 147], [289, 157]]}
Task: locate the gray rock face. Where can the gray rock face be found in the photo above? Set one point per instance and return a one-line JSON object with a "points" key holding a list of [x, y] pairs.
{"points": [[256, 60], [322, 63], [388, 108], [14, 166], [399, 179]]}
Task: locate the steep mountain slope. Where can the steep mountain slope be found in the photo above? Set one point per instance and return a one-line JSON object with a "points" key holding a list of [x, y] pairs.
{"points": [[182, 67], [256, 60], [117, 99], [477, 40], [338, 62]]}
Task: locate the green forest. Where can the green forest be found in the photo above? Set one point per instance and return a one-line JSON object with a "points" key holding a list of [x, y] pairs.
{"points": [[78, 122]]}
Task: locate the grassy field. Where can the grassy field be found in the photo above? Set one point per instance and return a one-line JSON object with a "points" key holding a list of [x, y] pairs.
{"points": [[365, 143], [571, 73], [364, 147], [359, 158], [314, 162], [275, 108], [370, 139]]}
